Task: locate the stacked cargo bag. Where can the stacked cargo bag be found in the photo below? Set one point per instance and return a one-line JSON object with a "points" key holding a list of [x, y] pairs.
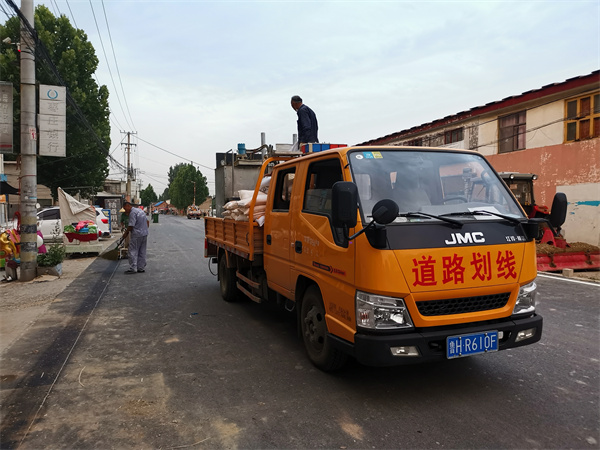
{"points": [[240, 209]]}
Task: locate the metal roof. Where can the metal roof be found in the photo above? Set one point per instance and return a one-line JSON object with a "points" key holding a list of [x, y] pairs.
{"points": [[533, 94]]}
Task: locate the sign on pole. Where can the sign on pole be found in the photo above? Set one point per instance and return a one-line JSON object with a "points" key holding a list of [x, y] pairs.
{"points": [[52, 121], [6, 117]]}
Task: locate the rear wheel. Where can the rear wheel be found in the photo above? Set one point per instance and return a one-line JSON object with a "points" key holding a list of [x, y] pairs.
{"points": [[318, 344], [227, 280]]}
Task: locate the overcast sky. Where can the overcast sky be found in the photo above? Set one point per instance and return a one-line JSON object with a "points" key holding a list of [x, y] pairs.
{"points": [[199, 77]]}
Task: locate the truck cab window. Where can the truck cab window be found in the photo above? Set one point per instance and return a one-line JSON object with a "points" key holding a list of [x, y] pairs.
{"points": [[322, 175], [283, 190]]}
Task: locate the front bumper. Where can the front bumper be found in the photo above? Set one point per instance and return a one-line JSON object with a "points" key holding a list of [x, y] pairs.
{"points": [[375, 350]]}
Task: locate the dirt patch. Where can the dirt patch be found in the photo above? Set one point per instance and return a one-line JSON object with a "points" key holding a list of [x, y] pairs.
{"points": [[547, 249], [23, 301]]}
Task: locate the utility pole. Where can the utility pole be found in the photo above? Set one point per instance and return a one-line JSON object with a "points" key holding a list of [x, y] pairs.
{"points": [[194, 192], [28, 195], [129, 168]]}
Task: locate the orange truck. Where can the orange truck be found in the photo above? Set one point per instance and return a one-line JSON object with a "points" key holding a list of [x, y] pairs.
{"points": [[389, 255]]}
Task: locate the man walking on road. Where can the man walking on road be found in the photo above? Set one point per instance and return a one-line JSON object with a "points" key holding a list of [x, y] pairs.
{"points": [[307, 122], [138, 228]]}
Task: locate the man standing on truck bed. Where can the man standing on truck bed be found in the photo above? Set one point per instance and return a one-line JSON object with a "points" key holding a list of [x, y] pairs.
{"points": [[307, 122]]}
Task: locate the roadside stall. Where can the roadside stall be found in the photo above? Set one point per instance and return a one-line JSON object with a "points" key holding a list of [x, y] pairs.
{"points": [[79, 225]]}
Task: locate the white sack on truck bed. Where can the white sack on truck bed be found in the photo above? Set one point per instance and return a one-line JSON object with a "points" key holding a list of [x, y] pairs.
{"points": [[240, 209]]}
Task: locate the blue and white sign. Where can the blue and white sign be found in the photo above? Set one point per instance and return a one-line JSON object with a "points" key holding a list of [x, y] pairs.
{"points": [[52, 120]]}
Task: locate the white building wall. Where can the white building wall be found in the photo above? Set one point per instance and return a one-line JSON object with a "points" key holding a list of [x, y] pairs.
{"points": [[488, 136], [545, 125], [583, 213]]}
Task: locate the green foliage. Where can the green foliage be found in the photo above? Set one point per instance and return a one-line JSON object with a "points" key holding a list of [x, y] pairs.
{"points": [[74, 56], [55, 255], [164, 196], [182, 187], [148, 195], [173, 170]]}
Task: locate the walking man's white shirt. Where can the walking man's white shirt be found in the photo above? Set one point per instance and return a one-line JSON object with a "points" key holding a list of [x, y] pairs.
{"points": [[137, 228]]}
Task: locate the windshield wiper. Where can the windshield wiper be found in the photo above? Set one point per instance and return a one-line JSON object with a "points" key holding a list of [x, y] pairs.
{"points": [[484, 213], [456, 223]]}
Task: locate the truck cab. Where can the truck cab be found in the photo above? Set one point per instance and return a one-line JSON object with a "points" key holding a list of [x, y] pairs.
{"points": [[456, 259]]}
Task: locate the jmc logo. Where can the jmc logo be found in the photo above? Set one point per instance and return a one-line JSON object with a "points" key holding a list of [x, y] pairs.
{"points": [[466, 238]]}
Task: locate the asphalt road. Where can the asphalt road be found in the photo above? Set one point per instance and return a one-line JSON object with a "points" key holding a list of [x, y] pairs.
{"points": [[158, 360]]}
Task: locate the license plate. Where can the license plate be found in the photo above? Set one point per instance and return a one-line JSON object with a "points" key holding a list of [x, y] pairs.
{"points": [[471, 344]]}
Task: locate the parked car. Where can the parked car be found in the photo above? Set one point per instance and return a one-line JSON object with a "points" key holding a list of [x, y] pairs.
{"points": [[102, 222], [49, 223]]}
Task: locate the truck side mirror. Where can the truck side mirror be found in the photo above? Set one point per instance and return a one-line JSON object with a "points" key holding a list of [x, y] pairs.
{"points": [[344, 203], [385, 211]]}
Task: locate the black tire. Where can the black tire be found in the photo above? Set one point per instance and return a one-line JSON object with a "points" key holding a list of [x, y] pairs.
{"points": [[319, 347], [227, 280]]}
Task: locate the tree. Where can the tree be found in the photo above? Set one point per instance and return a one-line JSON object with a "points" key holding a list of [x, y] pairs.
{"points": [[182, 187], [173, 172], [148, 195], [85, 166], [164, 196]]}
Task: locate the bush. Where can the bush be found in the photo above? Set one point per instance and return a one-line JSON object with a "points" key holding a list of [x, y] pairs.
{"points": [[55, 255]]}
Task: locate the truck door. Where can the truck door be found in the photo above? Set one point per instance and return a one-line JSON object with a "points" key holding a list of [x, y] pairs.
{"points": [[277, 234], [318, 247]]}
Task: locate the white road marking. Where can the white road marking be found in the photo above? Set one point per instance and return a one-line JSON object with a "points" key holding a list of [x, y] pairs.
{"points": [[554, 277]]}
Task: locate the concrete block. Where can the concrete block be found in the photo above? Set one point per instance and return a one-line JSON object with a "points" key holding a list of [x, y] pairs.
{"points": [[568, 273]]}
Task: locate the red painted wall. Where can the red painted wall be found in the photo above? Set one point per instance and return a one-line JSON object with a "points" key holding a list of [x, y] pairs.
{"points": [[557, 165]]}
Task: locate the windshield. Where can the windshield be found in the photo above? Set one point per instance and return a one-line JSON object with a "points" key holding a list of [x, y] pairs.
{"points": [[432, 182]]}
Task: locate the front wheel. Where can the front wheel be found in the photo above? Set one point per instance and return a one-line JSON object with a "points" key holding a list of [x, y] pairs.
{"points": [[229, 290], [317, 342]]}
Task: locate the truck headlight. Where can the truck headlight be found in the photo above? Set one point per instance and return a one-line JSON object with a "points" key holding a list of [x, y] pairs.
{"points": [[380, 312], [526, 299]]}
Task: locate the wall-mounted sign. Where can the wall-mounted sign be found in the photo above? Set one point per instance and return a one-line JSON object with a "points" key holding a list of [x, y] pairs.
{"points": [[52, 121], [6, 117]]}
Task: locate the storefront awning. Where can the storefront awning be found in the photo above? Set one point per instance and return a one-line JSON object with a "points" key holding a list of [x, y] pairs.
{"points": [[6, 188]]}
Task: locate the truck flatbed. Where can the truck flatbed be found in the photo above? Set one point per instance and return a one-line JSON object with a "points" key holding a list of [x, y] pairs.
{"points": [[234, 236]]}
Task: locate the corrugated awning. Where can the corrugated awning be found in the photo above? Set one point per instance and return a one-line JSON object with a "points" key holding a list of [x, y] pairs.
{"points": [[6, 188]]}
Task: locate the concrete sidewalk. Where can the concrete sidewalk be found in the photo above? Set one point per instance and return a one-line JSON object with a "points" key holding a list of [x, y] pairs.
{"points": [[22, 303]]}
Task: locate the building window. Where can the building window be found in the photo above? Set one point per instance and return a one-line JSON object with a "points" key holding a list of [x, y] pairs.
{"points": [[512, 132], [415, 143], [582, 119], [452, 136]]}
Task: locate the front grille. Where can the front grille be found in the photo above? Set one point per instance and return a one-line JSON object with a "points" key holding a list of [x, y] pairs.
{"points": [[462, 305]]}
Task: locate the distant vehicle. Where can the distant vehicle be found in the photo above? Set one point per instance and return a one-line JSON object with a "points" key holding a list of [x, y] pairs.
{"points": [[193, 212], [49, 223]]}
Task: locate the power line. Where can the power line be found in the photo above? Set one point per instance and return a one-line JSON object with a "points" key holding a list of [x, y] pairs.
{"points": [[72, 15], [112, 117], [108, 65], [174, 154], [117, 65], [44, 55], [450, 126]]}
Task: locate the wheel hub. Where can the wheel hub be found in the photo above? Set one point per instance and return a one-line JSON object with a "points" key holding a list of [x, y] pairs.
{"points": [[315, 327]]}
